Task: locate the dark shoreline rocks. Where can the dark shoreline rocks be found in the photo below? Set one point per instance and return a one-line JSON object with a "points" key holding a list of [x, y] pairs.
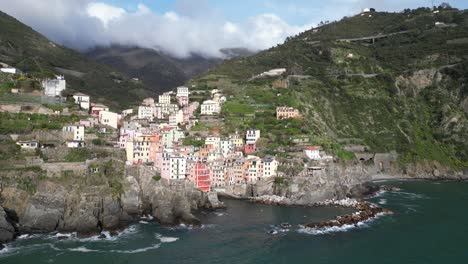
{"points": [[90, 210], [7, 227], [365, 211]]}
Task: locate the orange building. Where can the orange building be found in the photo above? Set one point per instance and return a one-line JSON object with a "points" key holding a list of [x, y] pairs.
{"points": [[286, 112]]}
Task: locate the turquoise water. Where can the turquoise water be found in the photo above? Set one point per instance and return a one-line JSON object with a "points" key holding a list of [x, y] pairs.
{"points": [[430, 225]]}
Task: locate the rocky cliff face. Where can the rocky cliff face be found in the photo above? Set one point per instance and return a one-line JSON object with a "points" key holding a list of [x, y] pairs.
{"points": [[7, 228], [89, 209], [334, 182]]}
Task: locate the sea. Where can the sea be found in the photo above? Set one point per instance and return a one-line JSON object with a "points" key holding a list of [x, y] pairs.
{"points": [[429, 225]]}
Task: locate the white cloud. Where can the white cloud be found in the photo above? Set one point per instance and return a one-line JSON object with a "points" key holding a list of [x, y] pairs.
{"points": [[193, 27], [104, 12], [85, 23]]}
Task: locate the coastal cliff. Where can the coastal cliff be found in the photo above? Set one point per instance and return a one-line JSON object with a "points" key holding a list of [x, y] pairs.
{"points": [[336, 181], [63, 205]]}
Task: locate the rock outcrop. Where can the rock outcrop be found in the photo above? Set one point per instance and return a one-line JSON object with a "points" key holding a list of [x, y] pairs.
{"points": [[88, 209], [7, 229], [365, 211], [337, 181]]}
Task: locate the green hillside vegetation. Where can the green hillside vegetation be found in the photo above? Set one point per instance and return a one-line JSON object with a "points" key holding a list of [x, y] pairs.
{"points": [[24, 48], [405, 92], [26, 123]]}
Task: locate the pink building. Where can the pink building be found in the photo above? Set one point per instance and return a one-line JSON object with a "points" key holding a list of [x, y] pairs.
{"points": [[250, 148], [182, 100], [202, 177]]}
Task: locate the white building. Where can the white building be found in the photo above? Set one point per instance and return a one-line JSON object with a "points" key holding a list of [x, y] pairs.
{"points": [[252, 136], [127, 112], [165, 99], [146, 112], [176, 118], [77, 133], [226, 146], [148, 102], [32, 144], [10, 70], [138, 150], [166, 109], [210, 107], [54, 87], [82, 100], [182, 91], [270, 167], [213, 141], [171, 135], [313, 153], [109, 119], [254, 169], [174, 167]]}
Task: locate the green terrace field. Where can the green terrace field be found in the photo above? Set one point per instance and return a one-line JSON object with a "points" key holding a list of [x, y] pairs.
{"points": [[26, 123], [405, 92]]}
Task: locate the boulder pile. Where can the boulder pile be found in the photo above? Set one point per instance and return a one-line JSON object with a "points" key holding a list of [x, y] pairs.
{"points": [[365, 211]]}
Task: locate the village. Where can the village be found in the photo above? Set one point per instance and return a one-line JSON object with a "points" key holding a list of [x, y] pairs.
{"points": [[158, 135]]}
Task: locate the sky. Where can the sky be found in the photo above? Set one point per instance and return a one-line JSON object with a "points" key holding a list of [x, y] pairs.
{"points": [[184, 27]]}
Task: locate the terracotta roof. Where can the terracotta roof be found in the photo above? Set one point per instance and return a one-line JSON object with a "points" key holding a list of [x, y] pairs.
{"points": [[313, 148]]}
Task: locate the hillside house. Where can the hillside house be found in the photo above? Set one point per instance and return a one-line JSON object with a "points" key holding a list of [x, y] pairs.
{"points": [[74, 133], [28, 144], [109, 119], [251, 136], [148, 102], [54, 87], [176, 118], [270, 167], [165, 99], [286, 112], [210, 107], [250, 148], [82, 100], [312, 152], [182, 91], [10, 70], [146, 112], [97, 108]]}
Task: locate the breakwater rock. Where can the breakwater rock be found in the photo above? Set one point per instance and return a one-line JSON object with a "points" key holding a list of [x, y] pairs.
{"points": [[365, 211]]}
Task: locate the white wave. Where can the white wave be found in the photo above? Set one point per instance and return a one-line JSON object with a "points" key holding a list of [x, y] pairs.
{"points": [[5, 250], [155, 246], [24, 236], [219, 214], [378, 194], [326, 230], [69, 235], [412, 196], [87, 250], [383, 201], [82, 249], [164, 239], [144, 222], [147, 217]]}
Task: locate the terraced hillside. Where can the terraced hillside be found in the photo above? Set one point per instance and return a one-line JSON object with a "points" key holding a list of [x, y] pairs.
{"points": [[389, 81], [24, 48]]}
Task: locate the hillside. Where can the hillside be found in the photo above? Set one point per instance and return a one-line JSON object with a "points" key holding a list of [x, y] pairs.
{"points": [[155, 69], [388, 81], [24, 48]]}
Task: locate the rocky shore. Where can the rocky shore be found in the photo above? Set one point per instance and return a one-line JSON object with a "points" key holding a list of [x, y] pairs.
{"points": [[89, 209], [365, 211]]}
